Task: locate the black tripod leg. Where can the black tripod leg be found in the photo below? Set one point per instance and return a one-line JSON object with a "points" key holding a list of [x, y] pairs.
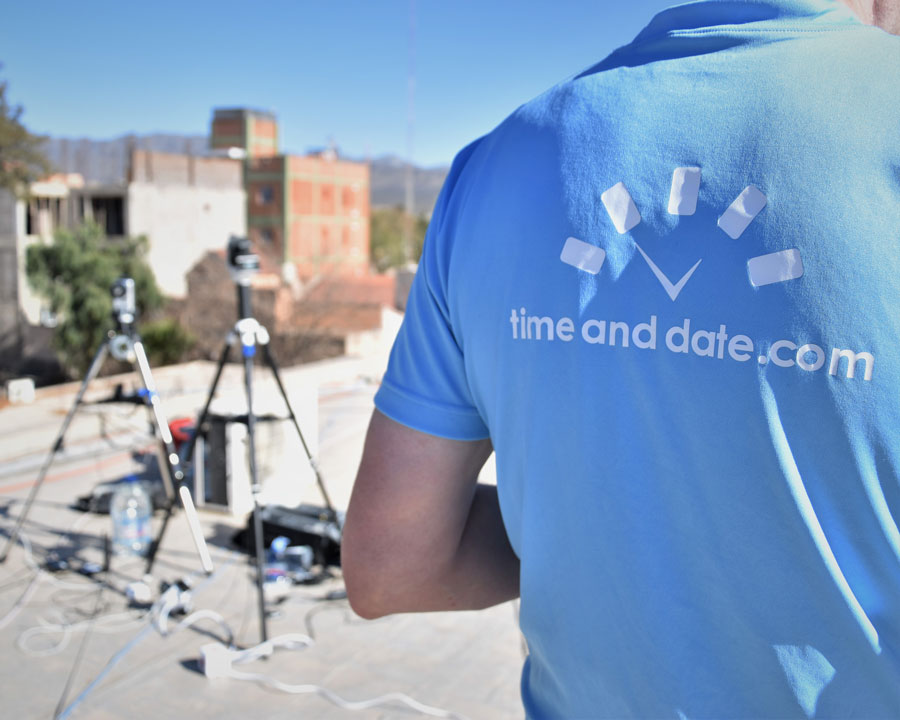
{"points": [[270, 360], [187, 453], [157, 541], [255, 488], [96, 364]]}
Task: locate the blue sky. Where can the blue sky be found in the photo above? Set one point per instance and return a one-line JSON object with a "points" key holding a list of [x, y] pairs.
{"points": [[332, 70]]}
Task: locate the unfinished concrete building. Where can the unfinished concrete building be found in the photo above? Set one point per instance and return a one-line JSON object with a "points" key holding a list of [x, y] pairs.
{"points": [[184, 205]]}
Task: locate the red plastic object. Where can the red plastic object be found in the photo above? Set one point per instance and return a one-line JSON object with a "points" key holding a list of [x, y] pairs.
{"points": [[181, 429]]}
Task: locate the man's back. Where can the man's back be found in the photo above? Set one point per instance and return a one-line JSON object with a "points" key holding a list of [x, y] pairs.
{"points": [[669, 292]]}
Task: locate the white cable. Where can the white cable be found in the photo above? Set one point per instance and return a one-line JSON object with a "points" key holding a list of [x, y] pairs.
{"points": [[176, 597], [346, 704], [39, 574], [22, 601], [292, 640], [25, 638], [32, 563], [162, 607], [206, 615], [29, 553], [265, 649]]}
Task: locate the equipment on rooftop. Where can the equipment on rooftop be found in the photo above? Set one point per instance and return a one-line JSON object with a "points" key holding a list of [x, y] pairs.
{"points": [[243, 264], [303, 525], [125, 343], [123, 301]]}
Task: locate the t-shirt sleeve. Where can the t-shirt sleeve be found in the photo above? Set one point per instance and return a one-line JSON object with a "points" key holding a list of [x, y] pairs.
{"points": [[425, 386]]}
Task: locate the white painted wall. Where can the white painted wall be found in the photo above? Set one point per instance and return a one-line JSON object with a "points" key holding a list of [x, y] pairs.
{"points": [[29, 303], [374, 346], [183, 223], [12, 234]]}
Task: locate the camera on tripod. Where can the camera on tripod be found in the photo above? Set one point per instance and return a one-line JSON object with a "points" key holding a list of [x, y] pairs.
{"points": [[121, 344], [123, 302], [242, 261]]}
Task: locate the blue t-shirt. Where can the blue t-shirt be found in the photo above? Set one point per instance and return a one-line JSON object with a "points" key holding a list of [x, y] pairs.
{"points": [[668, 289]]}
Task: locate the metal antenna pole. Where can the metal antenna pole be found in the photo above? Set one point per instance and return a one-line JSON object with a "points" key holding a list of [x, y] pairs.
{"points": [[410, 200], [247, 327]]}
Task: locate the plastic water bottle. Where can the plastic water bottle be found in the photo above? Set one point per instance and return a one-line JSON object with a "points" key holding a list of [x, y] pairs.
{"points": [[276, 567], [130, 509]]}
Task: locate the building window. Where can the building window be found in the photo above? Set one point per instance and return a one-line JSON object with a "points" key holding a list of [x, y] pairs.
{"points": [[348, 201], [268, 236], [109, 214], [265, 195], [327, 206]]}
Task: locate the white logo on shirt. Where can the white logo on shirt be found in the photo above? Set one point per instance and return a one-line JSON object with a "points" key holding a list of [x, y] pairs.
{"points": [[762, 270]]}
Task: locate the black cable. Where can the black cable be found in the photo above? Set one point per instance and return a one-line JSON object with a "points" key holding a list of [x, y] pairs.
{"points": [[78, 657], [87, 633], [23, 575]]}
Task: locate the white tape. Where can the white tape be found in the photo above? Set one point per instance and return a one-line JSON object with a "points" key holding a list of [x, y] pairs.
{"points": [[621, 208], [582, 255], [741, 212], [685, 187], [775, 267]]}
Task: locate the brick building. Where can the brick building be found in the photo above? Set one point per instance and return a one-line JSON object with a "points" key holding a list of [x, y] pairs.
{"points": [[310, 213], [253, 131]]}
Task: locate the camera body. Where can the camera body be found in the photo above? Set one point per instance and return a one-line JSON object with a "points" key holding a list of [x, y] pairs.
{"points": [[242, 261], [123, 300]]}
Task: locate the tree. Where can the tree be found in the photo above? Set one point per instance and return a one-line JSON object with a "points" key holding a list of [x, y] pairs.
{"points": [[74, 274], [166, 341], [386, 235], [22, 160]]}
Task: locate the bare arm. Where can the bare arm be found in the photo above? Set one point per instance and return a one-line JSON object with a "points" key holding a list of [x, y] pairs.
{"points": [[421, 534]]}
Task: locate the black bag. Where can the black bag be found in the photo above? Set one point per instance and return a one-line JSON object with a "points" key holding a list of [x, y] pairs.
{"points": [[302, 525]]}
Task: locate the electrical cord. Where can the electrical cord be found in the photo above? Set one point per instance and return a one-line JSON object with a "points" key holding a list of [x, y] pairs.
{"points": [[24, 575], [173, 599], [113, 661], [339, 603], [127, 648], [39, 574], [50, 577], [26, 638], [347, 704], [178, 597], [22, 601], [218, 662], [79, 655]]}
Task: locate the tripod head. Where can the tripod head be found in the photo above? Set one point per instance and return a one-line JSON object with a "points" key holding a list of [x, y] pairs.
{"points": [[124, 312], [243, 264], [124, 306]]}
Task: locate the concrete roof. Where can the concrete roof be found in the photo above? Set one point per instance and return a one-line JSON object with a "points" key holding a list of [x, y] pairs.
{"points": [[122, 665]]}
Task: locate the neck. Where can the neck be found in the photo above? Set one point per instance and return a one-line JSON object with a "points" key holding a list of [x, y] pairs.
{"points": [[881, 13]]}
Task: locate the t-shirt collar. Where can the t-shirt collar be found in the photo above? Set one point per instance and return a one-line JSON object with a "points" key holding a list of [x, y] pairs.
{"points": [[709, 14]]}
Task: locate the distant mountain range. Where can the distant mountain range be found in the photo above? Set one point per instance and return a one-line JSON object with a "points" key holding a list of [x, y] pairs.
{"points": [[105, 162]]}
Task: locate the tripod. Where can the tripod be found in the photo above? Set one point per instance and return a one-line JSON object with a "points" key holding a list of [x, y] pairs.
{"points": [[252, 334], [125, 344]]}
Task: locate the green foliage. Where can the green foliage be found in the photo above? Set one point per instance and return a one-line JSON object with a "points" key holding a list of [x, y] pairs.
{"points": [[166, 341], [386, 237], [22, 160], [74, 274]]}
